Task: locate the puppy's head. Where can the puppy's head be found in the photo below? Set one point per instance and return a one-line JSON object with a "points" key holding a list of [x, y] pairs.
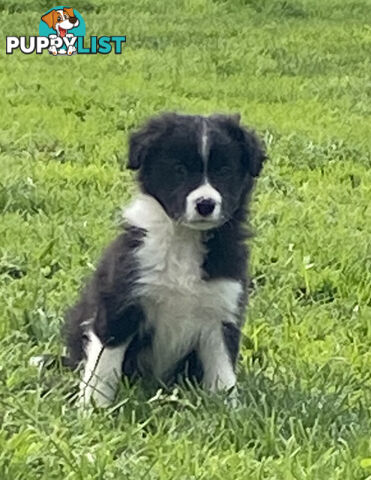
{"points": [[199, 168], [61, 20]]}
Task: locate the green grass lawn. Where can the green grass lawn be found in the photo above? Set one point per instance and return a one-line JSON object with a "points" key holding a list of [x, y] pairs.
{"points": [[298, 71]]}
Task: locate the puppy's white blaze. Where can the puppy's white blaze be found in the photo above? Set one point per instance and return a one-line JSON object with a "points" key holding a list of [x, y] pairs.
{"points": [[203, 191], [179, 304], [204, 145], [102, 372]]}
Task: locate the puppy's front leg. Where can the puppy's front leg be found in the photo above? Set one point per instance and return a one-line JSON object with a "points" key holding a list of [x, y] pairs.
{"points": [[102, 371], [53, 49], [217, 353], [108, 339]]}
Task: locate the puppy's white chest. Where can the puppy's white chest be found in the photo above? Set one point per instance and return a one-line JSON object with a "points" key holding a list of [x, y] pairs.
{"points": [[180, 306]]}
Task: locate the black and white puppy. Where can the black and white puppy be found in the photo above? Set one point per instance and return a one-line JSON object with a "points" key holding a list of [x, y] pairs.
{"points": [[172, 287]]}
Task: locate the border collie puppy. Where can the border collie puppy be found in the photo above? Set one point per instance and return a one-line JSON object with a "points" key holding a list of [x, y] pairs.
{"points": [[172, 287]]}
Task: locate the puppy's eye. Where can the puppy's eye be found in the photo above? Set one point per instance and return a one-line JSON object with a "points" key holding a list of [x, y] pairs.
{"points": [[59, 19], [225, 170], [180, 171]]}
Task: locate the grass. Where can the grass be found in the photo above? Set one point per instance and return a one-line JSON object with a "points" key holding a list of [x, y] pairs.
{"points": [[299, 71]]}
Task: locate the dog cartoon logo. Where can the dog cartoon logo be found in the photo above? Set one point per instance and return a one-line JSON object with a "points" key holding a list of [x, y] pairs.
{"points": [[62, 25], [62, 32]]}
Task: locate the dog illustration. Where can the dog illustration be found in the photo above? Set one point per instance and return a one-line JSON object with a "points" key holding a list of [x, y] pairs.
{"points": [[61, 21]]}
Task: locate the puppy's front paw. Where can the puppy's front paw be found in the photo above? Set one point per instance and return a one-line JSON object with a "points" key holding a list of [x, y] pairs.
{"points": [[232, 400], [96, 392], [71, 50]]}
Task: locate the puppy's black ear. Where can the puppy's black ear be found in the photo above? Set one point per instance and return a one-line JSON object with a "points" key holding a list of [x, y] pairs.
{"points": [[137, 149], [141, 142], [253, 151]]}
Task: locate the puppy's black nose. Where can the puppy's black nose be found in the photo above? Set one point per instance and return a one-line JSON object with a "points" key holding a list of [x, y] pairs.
{"points": [[73, 20], [205, 206]]}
